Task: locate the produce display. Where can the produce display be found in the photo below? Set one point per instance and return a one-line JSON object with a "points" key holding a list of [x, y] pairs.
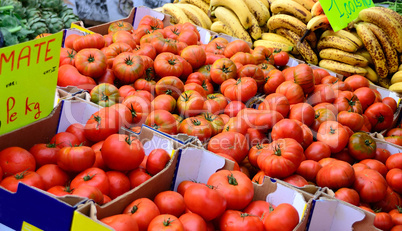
{"points": [[307, 127]]}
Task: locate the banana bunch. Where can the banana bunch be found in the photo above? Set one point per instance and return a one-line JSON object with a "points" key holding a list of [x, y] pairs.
{"points": [[193, 11]]}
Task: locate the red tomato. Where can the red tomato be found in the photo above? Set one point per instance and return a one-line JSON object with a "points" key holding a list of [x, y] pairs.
{"points": [[60, 191], [287, 128], [302, 112], [284, 216], [281, 58], [138, 176], [391, 200], [75, 159], [231, 143], [92, 176], [79, 131], [193, 221], [157, 160], [383, 221], [382, 155], [296, 180], [195, 55], [242, 89], [236, 46], [52, 175], [143, 210], [276, 102], [165, 222], [273, 79], [309, 169], [336, 174], [90, 192], [263, 55], [236, 220], [317, 151], [91, 62], [258, 208], [394, 179], [394, 161], [28, 177], [348, 195], [121, 222], [334, 135], [366, 96], [223, 69], [44, 153], [168, 64], [16, 159], [370, 185], [391, 103], [380, 116], [233, 108], [119, 183], [170, 202], [139, 108], [353, 120], [292, 91], [190, 103], [162, 120], [65, 139], [102, 124], [198, 127]]}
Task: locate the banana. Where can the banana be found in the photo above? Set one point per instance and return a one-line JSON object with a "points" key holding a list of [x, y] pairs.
{"points": [[292, 8], [387, 22], [206, 1], [392, 13], [397, 77], [365, 54], [238, 7], [230, 19], [346, 35], [265, 28], [259, 10], [276, 38], [220, 27], [177, 14], [344, 57], [196, 15], [274, 45], [342, 68], [384, 82], [318, 22], [308, 4], [400, 68], [198, 3], [255, 30], [303, 47], [371, 75], [265, 3], [396, 87], [374, 48], [389, 52], [316, 9], [293, 24], [336, 42]]}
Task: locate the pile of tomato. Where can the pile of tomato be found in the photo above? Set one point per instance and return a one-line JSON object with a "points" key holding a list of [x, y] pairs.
{"points": [[309, 128]]}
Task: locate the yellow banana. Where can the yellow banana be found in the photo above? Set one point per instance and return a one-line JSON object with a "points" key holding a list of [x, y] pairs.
{"points": [[400, 68], [371, 75], [396, 87], [206, 1], [293, 24], [392, 13], [303, 47], [346, 35], [397, 77], [265, 3], [220, 27], [230, 19], [238, 7], [387, 22], [176, 14], [374, 48], [259, 10], [365, 54], [274, 45], [316, 9], [198, 3], [308, 4], [265, 29], [344, 57], [389, 51], [292, 8], [342, 68], [255, 30], [336, 42], [318, 22], [276, 38], [384, 82], [196, 15]]}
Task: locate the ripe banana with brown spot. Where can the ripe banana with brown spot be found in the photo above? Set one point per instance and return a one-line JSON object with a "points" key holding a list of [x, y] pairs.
{"points": [[274, 45], [291, 23], [365, 54], [371, 75], [265, 3], [397, 77], [308, 4], [196, 15], [259, 11], [276, 38], [389, 51], [385, 21], [220, 27], [304, 47], [336, 42], [400, 68], [346, 35], [238, 7], [384, 82], [230, 19], [342, 68], [318, 22], [198, 3], [392, 13], [255, 30], [292, 8], [317, 9], [176, 14], [344, 57], [374, 48]]}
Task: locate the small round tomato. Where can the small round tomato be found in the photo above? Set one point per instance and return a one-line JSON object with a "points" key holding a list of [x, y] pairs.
{"points": [[64, 139], [394, 179], [157, 160], [78, 130], [52, 175], [334, 135], [143, 210], [119, 183], [380, 116], [165, 222], [44, 153], [102, 124], [28, 177], [317, 150], [309, 169], [138, 176], [75, 159], [236, 221], [170, 202], [348, 195], [281, 58]]}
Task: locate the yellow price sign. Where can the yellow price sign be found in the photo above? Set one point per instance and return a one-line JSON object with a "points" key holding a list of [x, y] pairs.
{"points": [[28, 227]]}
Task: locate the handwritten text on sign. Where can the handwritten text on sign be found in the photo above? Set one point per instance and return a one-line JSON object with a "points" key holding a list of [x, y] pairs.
{"points": [[341, 12], [28, 78]]}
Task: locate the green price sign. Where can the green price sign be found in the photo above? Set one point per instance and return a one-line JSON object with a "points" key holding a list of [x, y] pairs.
{"points": [[341, 12], [28, 80]]}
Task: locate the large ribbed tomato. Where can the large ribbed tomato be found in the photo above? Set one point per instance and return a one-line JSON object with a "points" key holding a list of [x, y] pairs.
{"points": [[335, 175], [370, 185], [231, 143], [128, 67], [292, 91], [242, 89]]}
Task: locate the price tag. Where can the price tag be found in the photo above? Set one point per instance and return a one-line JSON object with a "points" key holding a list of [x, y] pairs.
{"points": [[28, 79], [341, 12]]}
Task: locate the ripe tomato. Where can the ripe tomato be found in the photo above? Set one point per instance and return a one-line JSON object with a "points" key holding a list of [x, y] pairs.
{"points": [[169, 85], [157, 160], [170, 202], [64, 139], [302, 112], [334, 135], [128, 67], [70, 76], [353, 120], [164, 102], [138, 176], [236, 220], [382, 155], [394, 161], [287, 128], [44, 153], [236, 46], [91, 62], [16, 159], [391, 201], [60, 191], [197, 88], [391, 103], [348, 101], [242, 89], [223, 69], [376, 165], [78, 130], [114, 50], [292, 91], [195, 55], [143, 210], [236, 124], [317, 151], [120, 25], [123, 222], [263, 55], [276, 102], [370, 185], [28, 177], [308, 169], [336, 174], [90, 192], [281, 58], [258, 208], [366, 96], [140, 107], [92, 176], [383, 221], [273, 79], [165, 222], [75, 159], [231, 143], [190, 103], [380, 116], [296, 180], [284, 216], [67, 56], [119, 183], [162, 120], [193, 221], [394, 179], [102, 124], [89, 41], [105, 94], [168, 64], [198, 127], [122, 152], [362, 146], [233, 108], [348, 195], [215, 121], [52, 175], [70, 40]]}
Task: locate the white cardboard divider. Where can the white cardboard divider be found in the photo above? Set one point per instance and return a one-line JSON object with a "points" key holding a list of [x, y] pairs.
{"points": [[75, 112], [140, 12]]}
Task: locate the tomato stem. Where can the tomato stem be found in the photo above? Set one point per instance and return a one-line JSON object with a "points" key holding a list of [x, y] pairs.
{"points": [[232, 180], [277, 150], [167, 222], [88, 177]]}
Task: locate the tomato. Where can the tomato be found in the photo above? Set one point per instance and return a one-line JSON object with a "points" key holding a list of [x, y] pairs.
{"points": [[242, 89], [352, 120], [287, 128], [396, 215], [215, 47], [334, 135], [16, 159], [284, 217], [114, 50], [75, 159], [170, 202], [122, 152], [124, 37], [236, 220], [92, 176], [304, 77], [162, 120], [78, 130], [322, 93], [157, 160], [120, 25], [397, 140], [193, 221], [281, 58], [44, 153], [121, 222], [91, 62], [383, 221], [151, 22], [380, 116], [147, 84], [382, 154], [28, 177], [348, 195], [259, 208], [139, 107], [243, 58], [206, 71], [60, 191], [233, 108], [68, 43], [302, 112], [254, 72], [232, 143], [236, 46], [164, 45], [67, 56], [195, 55], [337, 174], [394, 161], [143, 210], [296, 180], [166, 222], [223, 69], [276, 102], [376, 165], [164, 102], [172, 31], [391, 103], [308, 169], [68, 75], [198, 127], [394, 132], [263, 55], [215, 121], [128, 67], [197, 88], [317, 151], [190, 103], [362, 146], [102, 124], [64, 139], [108, 77], [273, 79], [52, 175], [138, 176], [394, 179], [391, 201], [281, 158], [348, 101], [168, 64], [366, 96], [119, 183], [89, 41], [105, 95], [370, 185]]}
